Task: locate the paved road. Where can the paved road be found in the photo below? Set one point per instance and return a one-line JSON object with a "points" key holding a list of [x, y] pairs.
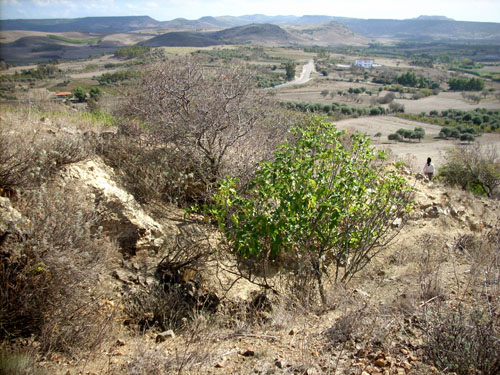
{"points": [[304, 77]]}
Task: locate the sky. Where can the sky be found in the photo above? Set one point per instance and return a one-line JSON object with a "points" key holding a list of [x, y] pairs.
{"points": [[165, 10]]}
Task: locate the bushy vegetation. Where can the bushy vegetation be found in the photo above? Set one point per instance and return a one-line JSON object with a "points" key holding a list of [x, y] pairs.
{"points": [[41, 72], [213, 120], [324, 199], [50, 259], [118, 77], [335, 110], [472, 168], [132, 52], [481, 119], [417, 133], [464, 84], [75, 41], [412, 80], [464, 342]]}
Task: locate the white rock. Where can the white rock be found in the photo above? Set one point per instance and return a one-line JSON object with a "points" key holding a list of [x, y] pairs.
{"points": [[124, 217]]}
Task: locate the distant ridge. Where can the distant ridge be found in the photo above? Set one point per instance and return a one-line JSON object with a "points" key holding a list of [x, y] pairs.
{"points": [[435, 18], [86, 24], [423, 28]]}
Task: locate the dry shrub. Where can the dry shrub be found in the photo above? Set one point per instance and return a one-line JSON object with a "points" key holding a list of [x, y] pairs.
{"points": [[429, 275], [348, 327], [193, 355], [29, 160], [179, 295], [465, 341], [15, 363], [473, 167], [49, 268], [149, 173], [211, 121]]}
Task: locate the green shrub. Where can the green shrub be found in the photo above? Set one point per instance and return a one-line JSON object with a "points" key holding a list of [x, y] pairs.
{"points": [[472, 168], [324, 199], [394, 137]]}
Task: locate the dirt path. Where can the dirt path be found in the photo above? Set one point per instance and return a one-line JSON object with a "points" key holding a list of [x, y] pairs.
{"points": [[305, 76]]}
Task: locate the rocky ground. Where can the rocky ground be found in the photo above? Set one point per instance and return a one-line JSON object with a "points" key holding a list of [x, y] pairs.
{"points": [[373, 325]]}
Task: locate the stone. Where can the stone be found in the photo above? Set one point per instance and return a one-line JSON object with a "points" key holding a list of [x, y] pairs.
{"points": [[279, 364], [161, 337], [431, 212], [397, 223], [380, 362], [247, 353], [124, 217], [120, 342]]}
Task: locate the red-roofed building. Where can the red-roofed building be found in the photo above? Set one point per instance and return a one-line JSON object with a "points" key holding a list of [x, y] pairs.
{"points": [[63, 94]]}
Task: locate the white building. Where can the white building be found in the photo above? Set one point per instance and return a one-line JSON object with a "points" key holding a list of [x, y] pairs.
{"points": [[364, 62]]}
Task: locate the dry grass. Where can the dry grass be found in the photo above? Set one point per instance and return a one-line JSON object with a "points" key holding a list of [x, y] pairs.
{"points": [[49, 271]]}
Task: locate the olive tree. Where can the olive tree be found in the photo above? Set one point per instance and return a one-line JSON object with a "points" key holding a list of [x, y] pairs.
{"points": [[326, 201], [212, 117]]}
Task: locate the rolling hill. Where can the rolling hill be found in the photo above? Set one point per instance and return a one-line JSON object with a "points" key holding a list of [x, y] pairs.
{"points": [[330, 34]]}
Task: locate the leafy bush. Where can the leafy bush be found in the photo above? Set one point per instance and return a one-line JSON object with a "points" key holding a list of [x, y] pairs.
{"points": [[120, 76], [132, 51], [323, 200], [464, 84], [394, 137], [473, 168]]}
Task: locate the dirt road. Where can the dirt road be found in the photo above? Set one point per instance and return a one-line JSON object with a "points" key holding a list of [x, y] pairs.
{"points": [[304, 77]]}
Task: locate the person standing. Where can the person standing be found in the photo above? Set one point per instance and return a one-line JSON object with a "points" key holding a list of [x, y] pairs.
{"points": [[429, 169]]}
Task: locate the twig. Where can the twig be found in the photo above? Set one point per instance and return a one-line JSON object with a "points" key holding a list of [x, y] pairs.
{"points": [[429, 301], [254, 336]]}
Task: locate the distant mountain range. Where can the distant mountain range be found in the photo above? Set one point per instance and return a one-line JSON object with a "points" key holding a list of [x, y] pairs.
{"points": [[423, 28]]}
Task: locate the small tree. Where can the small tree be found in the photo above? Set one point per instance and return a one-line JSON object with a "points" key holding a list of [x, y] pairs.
{"points": [[394, 137], [418, 133], [95, 93], [213, 119], [323, 200], [290, 70], [324, 93], [80, 94]]}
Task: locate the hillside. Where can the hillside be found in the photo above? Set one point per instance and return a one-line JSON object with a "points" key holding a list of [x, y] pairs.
{"points": [[425, 29], [110, 259], [330, 34], [42, 49], [88, 24]]}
